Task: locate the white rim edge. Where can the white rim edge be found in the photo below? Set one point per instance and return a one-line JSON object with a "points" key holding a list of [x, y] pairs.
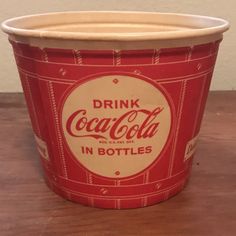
{"points": [[115, 36]]}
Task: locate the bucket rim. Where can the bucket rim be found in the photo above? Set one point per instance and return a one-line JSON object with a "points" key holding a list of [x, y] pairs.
{"points": [[181, 25]]}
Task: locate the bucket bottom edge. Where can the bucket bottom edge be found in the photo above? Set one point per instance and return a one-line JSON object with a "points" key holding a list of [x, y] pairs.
{"points": [[118, 203]]}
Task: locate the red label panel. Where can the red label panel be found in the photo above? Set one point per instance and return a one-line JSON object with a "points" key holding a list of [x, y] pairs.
{"points": [[116, 129]]}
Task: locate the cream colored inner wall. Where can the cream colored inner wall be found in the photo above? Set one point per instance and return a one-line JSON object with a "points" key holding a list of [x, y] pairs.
{"points": [[225, 69]]}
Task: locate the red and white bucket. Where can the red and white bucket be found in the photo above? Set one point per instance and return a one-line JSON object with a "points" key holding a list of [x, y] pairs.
{"points": [[116, 99]]}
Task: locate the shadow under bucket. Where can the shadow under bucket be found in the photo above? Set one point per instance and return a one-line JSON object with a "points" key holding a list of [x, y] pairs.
{"points": [[116, 99]]}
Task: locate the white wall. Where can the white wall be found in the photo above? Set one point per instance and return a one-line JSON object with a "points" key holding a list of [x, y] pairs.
{"points": [[225, 68]]}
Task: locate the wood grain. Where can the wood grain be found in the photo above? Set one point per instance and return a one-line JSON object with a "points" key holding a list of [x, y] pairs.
{"points": [[207, 206]]}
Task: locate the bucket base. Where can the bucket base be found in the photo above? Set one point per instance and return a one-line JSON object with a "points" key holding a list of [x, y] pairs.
{"points": [[121, 203]]}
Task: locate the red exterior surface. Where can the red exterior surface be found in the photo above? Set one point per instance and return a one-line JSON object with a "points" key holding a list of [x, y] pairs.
{"points": [[184, 74]]}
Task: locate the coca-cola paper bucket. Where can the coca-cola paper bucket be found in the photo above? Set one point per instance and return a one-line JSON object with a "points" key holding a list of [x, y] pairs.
{"points": [[116, 100]]}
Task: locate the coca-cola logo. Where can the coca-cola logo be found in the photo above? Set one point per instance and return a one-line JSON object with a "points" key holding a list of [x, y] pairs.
{"points": [[116, 125], [125, 126]]}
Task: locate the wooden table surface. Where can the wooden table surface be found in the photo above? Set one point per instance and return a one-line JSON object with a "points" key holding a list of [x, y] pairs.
{"points": [[207, 206]]}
